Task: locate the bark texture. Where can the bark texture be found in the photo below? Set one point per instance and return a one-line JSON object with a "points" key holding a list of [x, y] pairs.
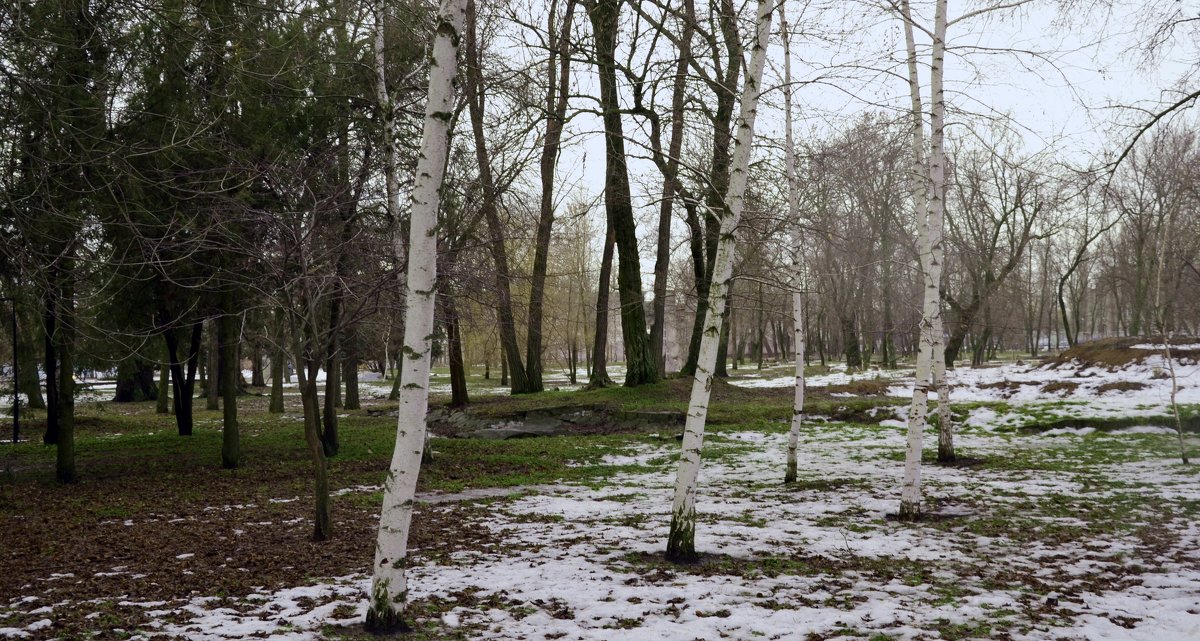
{"points": [[681, 543], [640, 363], [928, 197], [389, 590]]}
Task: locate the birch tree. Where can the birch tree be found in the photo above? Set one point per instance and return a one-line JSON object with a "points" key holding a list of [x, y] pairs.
{"points": [[789, 160], [389, 590], [929, 205], [681, 540]]}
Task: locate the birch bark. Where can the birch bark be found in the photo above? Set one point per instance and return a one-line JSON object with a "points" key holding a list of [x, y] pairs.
{"points": [[388, 112], [789, 151], [681, 540], [389, 590], [927, 191]]}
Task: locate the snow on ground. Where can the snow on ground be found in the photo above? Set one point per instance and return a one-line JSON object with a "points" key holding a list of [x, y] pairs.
{"points": [[786, 376], [1065, 390], [1090, 537]]}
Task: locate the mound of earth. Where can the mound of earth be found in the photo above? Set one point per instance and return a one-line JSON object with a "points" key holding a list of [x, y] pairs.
{"points": [[1120, 352]]}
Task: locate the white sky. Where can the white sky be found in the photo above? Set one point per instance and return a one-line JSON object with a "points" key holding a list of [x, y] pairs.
{"points": [[1055, 83]]}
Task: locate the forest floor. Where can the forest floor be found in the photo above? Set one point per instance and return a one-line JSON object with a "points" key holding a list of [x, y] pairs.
{"points": [[1068, 517]]}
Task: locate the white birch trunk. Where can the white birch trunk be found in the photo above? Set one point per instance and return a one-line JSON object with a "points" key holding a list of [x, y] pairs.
{"points": [[389, 590], [929, 205], [388, 112], [789, 160], [937, 212], [681, 541]]}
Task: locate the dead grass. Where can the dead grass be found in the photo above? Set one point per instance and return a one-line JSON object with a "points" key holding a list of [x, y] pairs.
{"points": [[1064, 387], [1120, 386], [1114, 353], [862, 387]]}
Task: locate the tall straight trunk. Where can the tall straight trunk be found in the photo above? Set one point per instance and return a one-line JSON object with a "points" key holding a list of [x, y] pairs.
{"points": [[353, 400], [203, 370], [681, 539], [227, 338], [389, 588], [573, 358], [458, 370], [256, 366], [64, 344], [598, 372], [798, 396], [333, 370], [640, 362], [164, 389], [278, 364], [212, 389], [738, 343], [558, 68], [51, 364], [671, 184], [473, 89], [930, 207], [793, 185]]}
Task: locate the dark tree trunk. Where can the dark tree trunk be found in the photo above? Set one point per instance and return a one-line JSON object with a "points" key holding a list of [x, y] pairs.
{"points": [[64, 343], [474, 93], [722, 367], [458, 371], [51, 366], [700, 275], [726, 90], [573, 358], [353, 400], [164, 389], [333, 383], [598, 374], [671, 184], [227, 341], [183, 384], [212, 388], [394, 395], [322, 519], [135, 382], [557, 90], [640, 361], [256, 366], [278, 365]]}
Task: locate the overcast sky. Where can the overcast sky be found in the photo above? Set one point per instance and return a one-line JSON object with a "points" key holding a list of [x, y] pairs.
{"points": [[1054, 80]]}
